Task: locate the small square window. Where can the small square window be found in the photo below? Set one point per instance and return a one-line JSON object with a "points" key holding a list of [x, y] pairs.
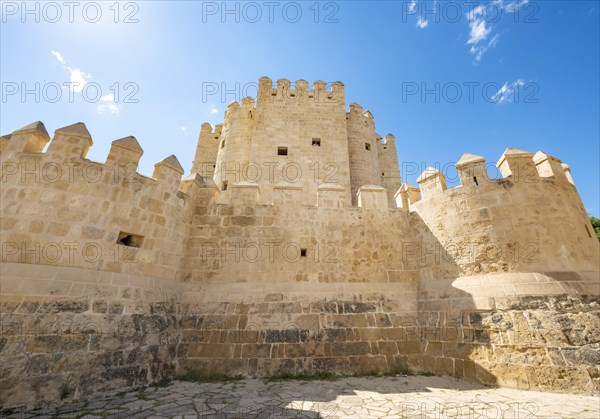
{"points": [[282, 151], [224, 188], [303, 253], [130, 240], [316, 142], [367, 146]]}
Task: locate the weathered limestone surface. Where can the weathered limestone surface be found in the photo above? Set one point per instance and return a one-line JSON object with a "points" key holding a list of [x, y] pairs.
{"points": [[356, 397], [111, 279]]}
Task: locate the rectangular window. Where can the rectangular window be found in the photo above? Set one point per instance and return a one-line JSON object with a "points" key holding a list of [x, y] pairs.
{"points": [[223, 144], [224, 188], [282, 151], [303, 253], [367, 146], [130, 240], [316, 142]]}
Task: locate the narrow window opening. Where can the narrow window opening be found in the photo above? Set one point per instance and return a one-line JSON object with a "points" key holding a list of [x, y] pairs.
{"points": [[303, 253], [475, 180], [223, 144], [214, 165], [126, 240], [130, 240], [367, 146], [292, 94], [385, 148], [316, 142], [274, 94], [224, 188], [382, 174], [588, 231], [282, 151]]}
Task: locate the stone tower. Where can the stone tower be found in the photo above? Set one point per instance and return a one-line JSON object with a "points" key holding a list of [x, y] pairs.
{"points": [[296, 138]]}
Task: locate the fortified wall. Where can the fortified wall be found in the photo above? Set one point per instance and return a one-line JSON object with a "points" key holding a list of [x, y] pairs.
{"points": [[292, 247]]}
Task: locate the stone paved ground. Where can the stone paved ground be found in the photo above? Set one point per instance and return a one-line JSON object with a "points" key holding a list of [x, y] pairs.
{"points": [[365, 397]]}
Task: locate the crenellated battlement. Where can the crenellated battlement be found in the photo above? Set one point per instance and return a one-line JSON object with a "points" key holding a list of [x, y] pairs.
{"points": [[284, 91], [515, 166], [71, 144], [62, 197], [533, 194]]}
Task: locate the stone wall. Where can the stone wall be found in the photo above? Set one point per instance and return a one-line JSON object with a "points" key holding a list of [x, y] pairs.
{"points": [[60, 208], [117, 281], [72, 332]]}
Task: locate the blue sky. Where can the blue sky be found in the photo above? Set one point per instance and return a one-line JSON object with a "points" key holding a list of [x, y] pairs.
{"points": [[532, 67]]}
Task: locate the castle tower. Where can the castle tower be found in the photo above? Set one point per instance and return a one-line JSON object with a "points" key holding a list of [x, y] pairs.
{"points": [[206, 151], [362, 150], [299, 138], [234, 146], [388, 163]]}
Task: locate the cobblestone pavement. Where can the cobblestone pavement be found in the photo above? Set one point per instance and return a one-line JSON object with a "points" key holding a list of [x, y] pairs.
{"points": [[365, 397]]}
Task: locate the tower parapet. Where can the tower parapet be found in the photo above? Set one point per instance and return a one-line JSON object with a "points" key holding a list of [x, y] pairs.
{"points": [[518, 165], [71, 142], [125, 151], [31, 138], [471, 169], [432, 182]]}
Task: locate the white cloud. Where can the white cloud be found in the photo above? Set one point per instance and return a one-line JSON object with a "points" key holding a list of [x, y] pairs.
{"points": [[412, 6], [478, 51], [506, 94], [479, 31], [58, 56], [213, 110], [108, 98], [480, 28], [422, 23], [510, 7], [77, 77], [109, 106]]}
